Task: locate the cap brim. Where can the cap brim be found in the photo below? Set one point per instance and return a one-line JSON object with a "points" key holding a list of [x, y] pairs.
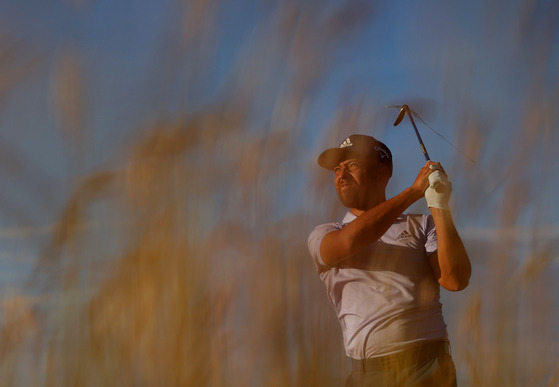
{"points": [[330, 158]]}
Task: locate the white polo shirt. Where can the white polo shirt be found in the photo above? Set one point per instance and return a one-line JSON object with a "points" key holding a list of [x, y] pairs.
{"points": [[386, 297]]}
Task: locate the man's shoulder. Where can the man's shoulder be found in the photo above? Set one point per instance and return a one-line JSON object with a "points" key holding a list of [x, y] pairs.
{"points": [[326, 227], [319, 231], [348, 218], [315, 240]]}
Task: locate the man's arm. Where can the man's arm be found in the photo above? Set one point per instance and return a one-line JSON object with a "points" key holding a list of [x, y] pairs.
{"points": [[366, 229], [450, 262], [372, 224]]}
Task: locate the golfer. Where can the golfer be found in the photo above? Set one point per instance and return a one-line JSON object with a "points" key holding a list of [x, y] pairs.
{"points": [[382, 268]]}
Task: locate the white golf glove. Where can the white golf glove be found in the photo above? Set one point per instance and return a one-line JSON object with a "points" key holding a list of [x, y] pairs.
{"points": [[439, 190]]}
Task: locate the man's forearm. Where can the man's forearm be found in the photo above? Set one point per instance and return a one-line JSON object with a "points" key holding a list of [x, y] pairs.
{"points": [[372, 224], [367, 228], [453, 260]]}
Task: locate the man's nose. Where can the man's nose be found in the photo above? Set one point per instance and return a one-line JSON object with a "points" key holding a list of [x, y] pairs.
{"points": [[342, 171]]}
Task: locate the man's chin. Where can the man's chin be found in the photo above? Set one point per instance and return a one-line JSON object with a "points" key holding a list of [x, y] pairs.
{"points": [[350, 201]]}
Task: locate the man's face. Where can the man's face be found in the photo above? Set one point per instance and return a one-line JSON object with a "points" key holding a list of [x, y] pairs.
{"points": [[356, 183]]}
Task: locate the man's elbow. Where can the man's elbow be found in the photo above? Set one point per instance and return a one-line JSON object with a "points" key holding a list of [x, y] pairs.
{"points": [[455, 284]]}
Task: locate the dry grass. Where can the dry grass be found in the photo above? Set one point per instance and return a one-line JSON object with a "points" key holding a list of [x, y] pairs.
{"points": [[184, 261]]}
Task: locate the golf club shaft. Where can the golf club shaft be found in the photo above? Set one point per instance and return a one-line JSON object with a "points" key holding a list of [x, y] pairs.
{"points": [[427, 158], [436, 178]]}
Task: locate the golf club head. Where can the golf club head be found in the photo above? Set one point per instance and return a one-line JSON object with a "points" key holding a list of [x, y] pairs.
{"points": [[426, 108], [403, 110], [401, 115]]}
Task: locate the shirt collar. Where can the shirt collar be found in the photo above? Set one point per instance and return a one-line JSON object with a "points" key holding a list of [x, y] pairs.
{"points": [[349, 217]]}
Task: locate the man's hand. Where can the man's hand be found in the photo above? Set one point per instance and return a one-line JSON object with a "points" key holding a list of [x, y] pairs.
{"points": [[429, 175], [422, 180], [439, 190]]}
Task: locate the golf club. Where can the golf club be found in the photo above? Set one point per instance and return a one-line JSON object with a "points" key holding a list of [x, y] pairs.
{"points": [[406, 110], [437, 180]]}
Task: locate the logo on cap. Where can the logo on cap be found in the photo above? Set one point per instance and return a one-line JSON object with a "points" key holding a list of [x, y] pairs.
{"points": [[346, 143], [382, 151]]}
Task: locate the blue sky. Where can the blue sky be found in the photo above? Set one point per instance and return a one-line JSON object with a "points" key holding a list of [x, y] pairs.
{"points": [[483, 73], [491, 63], [490, 56]]}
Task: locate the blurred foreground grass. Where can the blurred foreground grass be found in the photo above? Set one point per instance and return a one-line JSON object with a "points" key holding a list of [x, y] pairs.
{"points": [[182, 261]]}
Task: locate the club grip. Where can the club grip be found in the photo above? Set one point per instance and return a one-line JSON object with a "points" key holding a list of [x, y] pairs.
{"points": [[438, 181]]}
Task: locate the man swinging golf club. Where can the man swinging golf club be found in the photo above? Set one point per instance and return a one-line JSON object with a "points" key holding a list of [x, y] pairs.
{"points": [[382, 268]]}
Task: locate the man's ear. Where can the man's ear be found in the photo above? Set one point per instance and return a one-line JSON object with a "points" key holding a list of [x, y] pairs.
{"points": [[380, 169], [385, 170], [388, 170]]}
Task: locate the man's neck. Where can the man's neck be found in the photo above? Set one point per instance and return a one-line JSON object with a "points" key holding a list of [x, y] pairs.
{"points": [[360, 211]]}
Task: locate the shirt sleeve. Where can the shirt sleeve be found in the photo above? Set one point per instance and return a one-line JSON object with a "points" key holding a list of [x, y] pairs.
{"points": [[315, 240], [431, 233]]}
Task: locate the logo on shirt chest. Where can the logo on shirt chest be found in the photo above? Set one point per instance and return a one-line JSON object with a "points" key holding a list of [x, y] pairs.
{"points": [[404, 235]]}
